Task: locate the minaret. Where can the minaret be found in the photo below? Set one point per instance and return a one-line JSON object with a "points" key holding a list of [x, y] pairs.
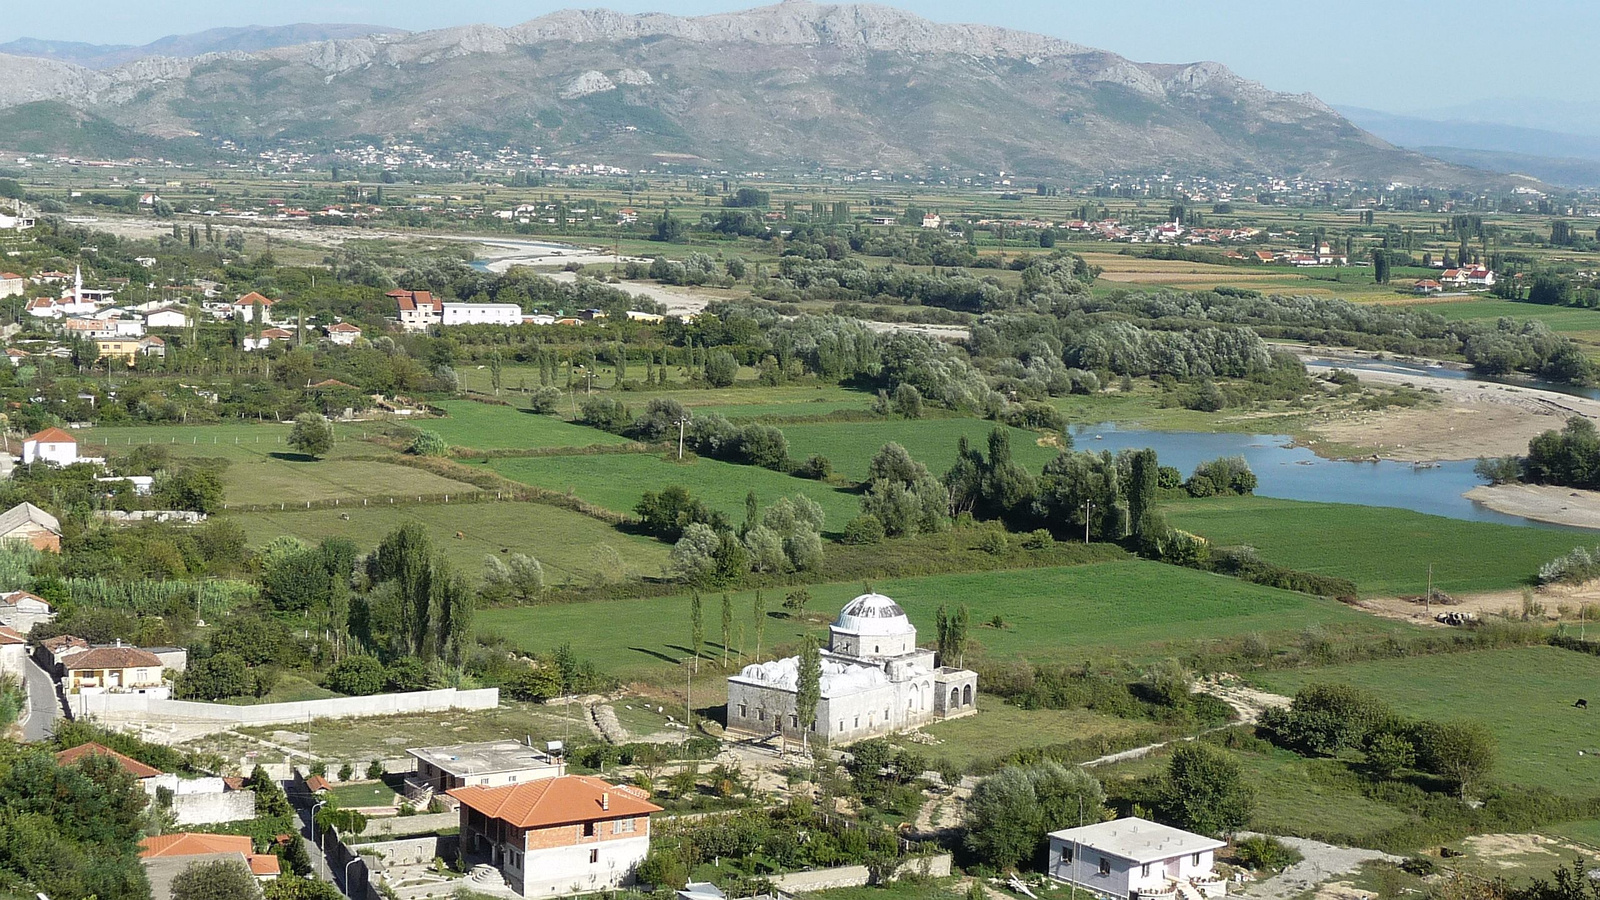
{"points": [[77, 285]]}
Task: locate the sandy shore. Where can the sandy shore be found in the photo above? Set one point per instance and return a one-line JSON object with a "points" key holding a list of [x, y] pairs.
{"points": [[1542, 503], [1471, 419]]}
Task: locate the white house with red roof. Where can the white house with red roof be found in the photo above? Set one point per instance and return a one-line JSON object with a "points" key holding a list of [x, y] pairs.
{"points": [[267, 338], [555, 836], [245, 308], [51, 445], [419, 310], [21, 611], [12, 284], [342, 333], [13, 652]]}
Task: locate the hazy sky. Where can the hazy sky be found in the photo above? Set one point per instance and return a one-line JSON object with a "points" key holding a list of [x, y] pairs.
{"points": [[1398, 55]]}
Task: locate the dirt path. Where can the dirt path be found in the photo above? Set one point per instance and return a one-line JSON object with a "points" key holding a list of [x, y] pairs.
{"points": [[1322, 863], [1247, 702]]}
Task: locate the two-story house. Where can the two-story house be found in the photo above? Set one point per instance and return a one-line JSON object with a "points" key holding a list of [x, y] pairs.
{"points": [[573, 834]]}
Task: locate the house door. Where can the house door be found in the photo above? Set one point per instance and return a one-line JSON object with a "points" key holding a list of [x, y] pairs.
{"points": [[1172, 869]]}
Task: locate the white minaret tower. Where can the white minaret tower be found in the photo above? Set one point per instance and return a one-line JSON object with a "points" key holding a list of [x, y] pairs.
{"points": [[77, 285]]}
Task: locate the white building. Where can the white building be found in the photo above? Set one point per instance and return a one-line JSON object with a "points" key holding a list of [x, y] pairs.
{"points": [[482, 314], [343, 333], [51, 445], [875, 681], [1136, 859], [13, 652], [557, 836], [167, 317], [21, 611], [418, 310], [12, 284], [483, 764]]}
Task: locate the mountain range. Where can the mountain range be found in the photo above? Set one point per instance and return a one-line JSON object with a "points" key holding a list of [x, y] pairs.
{"points": [[790, 86], [248, 39]]}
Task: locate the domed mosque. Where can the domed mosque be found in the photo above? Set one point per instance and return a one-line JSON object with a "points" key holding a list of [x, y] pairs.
{"points": [[875, 681]]}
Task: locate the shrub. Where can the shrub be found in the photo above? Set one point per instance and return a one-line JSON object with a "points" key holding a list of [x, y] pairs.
{"points": [[606, 414], [357, 676], [544, 399], [429, 443], [1263, 853], [1220, 477], [818, 468], [994, 542], [346, 772], [721, 368], [1038, 539], [375, 769], [864, 529]]}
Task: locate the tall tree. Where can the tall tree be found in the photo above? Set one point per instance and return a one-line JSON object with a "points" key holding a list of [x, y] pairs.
{"points": [[758, 611], [808, 689], [1380, 265], [405, 557], [727, 627], [1142, 490], [454, 602]]}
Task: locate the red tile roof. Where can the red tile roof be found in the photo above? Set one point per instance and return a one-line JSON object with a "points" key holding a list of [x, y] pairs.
{"points": [[63, 640], [316, 784], [10, 636], [344, 326], [556, 801], [129, 764], [113, 658], [252, 298], [189, 843], [52, 436]]}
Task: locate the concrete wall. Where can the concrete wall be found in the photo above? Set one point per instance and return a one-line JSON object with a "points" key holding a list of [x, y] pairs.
{"points": [[856, 876], [203, 809], [408, 851], [410, 824], [145, 709]]}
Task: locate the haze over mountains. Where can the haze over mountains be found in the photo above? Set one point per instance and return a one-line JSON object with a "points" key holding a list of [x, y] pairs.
{"points": [[789, 86], [247, 39]]}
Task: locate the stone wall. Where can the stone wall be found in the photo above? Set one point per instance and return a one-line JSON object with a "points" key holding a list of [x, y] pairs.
{"points": [[203, 809], [856, 876], [145, 709], [410, 824]]}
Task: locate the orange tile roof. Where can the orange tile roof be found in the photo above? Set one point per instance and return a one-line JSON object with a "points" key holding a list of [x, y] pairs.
{"points": [[11, 636], [52, 436], [252, 298], [191, 843], [129, 764], [556, 801], [114, 658], [317, 784]]}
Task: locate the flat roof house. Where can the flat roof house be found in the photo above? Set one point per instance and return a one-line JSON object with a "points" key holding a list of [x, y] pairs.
{"points": [[572, 834], [1137, 859], [482, 764]]}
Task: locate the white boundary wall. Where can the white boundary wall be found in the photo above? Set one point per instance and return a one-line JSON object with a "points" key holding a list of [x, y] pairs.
{"points": [[145, 709]]}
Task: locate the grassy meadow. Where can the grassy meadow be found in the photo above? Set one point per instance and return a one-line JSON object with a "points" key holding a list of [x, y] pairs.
{"points": [[1524, 695], [1384, 551], [1132, 611], [932, 442], [485, 426]]}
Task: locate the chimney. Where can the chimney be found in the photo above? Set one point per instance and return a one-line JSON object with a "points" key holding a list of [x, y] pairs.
{"points": [[605, 800]]}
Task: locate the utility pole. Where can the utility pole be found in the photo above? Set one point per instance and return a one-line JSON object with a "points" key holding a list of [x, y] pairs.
{"points": [[1088, 508], [1427, 601], [682, 421]]}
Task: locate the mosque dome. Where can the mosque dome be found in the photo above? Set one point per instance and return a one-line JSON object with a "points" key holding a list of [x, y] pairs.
{"points": [[872, 614]]}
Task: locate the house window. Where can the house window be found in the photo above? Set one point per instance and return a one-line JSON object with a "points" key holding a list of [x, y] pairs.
{"points": [[622, 826], [858, 721], [1105, 866], [761, 714], [794, 721], [1066, 856], [1144, 870], [594, 856], [588, 829], [744, 711], [1195, 859]]}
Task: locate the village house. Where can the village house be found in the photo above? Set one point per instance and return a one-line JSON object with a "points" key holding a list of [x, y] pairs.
{"points": [[13, 652], [875, 681], [51, 445], [342, 333], [16, 357], [932, 220], [28, 523], [554, 836], [1137, 859], [1427, 286], [128, 350], [166, 856], [481, 314], [52, 652], [166, 317], [12, 284], [266, 339], [245, 308], [114, 670], [419, 310], [439, 770], [21, 611]]}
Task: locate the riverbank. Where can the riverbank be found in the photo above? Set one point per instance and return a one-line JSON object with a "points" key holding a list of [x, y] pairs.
{"points": [[1470, 419], [1542, 503]]}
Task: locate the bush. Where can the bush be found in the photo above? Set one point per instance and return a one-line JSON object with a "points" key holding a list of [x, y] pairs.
{"points": [[375, 769], [1221, 477], [357, 676], [817, 468], [994, 543], [606, 414], [864, 529], [429, 443], [544, 399], [1262, 853], [721, 368]]}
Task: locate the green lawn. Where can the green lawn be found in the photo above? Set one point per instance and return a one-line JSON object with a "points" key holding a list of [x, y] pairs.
{"points": [[932, 442], [1134, 611], [1000, 729], [1525, 695], [484, 426], [1559, 318], [1384, 551], [569, 544], [356, 794], [616, 481]]}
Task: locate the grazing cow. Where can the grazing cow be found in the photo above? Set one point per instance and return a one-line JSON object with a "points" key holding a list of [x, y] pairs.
{"points": [[460, 536], [1581, 704]]}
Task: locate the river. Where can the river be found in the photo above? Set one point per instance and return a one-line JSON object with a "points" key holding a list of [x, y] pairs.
{"points": [[1291, 472]]}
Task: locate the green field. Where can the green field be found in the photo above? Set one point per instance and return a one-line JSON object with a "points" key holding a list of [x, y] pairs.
{"points": [[1525, 695], [1384, 551], [932, 442], [262, 469], [616, 481], [569, 544], [1000, 729], [484, 426], [1559, 318], [1134, 611]]}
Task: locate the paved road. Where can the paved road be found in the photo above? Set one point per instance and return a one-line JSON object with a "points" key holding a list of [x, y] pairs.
{"points": [[44, 705]]}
